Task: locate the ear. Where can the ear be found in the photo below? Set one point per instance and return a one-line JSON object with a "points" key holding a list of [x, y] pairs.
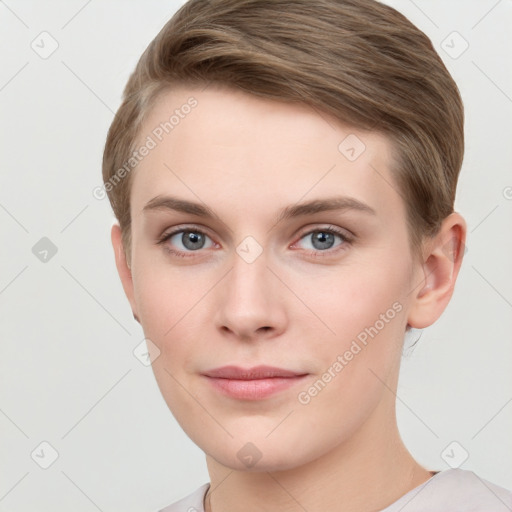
{"points": [[441, 264], [123, 268]]}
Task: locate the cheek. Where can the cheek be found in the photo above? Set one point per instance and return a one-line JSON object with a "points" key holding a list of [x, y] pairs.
{"points": [[168, 303], [172, 304], [367, 313], [366, 330], [350, 299], [167, 296]]}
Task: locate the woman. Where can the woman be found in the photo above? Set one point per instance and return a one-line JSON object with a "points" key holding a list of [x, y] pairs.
{"points": [[284, 174]]}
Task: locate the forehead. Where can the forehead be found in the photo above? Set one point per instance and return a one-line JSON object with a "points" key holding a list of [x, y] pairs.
{"points": [[245, 152]]}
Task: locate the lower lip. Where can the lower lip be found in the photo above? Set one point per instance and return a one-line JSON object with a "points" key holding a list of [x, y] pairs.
{"points": [[255, 389]]}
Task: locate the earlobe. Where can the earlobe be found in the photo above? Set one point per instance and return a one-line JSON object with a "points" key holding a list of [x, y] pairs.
{"points": [[439, 272], [123, 268]]}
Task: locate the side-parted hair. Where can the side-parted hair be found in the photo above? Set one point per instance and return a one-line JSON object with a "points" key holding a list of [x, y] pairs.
{"points": [[360, 61]]}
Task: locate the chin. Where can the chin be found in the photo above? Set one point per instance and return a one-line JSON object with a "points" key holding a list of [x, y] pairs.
{"points": [[270, 460]]}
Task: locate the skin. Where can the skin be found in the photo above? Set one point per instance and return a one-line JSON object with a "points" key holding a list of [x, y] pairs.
{"points": [[296, 306]]}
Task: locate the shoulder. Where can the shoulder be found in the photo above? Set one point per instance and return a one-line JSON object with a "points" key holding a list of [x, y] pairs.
{"points": [[455, 490], [452, 490], [191, 503]]}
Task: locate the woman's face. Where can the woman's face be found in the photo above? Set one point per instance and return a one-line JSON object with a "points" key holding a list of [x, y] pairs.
{"points": [[268, 234]]}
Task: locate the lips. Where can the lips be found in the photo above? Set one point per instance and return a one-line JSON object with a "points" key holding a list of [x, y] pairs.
{"points": [[257, 372], [254, 383]]}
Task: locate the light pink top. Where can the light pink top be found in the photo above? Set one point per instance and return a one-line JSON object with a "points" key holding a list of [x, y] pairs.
{"points": [[451, 490]]}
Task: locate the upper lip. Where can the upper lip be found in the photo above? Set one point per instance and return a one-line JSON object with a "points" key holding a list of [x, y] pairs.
{"points": [[256, 372]]}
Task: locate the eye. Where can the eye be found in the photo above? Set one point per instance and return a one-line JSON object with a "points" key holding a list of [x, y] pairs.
{"points": [[186, 241], [324, 239]]}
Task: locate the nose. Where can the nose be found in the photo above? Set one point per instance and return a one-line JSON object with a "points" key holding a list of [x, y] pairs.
{"points": [[251, 301]]}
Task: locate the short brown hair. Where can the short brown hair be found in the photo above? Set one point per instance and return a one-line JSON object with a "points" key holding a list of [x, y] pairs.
{"points": [[361, 61]]}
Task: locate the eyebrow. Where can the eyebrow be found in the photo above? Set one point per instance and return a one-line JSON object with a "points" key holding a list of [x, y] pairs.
{"points": [[300, 209]]}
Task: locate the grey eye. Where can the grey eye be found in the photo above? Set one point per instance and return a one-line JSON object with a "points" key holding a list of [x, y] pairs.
{"points": [[189, 240], [321, 240]]}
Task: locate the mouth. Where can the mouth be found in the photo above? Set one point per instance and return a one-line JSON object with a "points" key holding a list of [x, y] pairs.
{"points": [[254, 383]]}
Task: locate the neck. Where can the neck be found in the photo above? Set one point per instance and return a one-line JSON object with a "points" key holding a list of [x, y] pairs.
{"points": [[370, 471]]}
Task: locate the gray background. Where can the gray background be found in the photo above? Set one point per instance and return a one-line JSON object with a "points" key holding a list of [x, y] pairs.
{"points": [[68, 375]]}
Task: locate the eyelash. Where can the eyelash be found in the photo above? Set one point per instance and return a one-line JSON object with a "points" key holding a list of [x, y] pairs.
{"points": [[315, 253]]}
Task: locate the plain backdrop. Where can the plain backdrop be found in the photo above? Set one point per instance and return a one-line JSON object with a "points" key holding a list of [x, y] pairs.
{"points": [[68, 375]]}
